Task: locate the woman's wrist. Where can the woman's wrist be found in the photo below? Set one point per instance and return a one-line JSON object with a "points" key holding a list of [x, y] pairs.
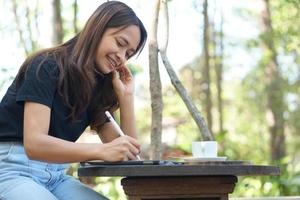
{"points": [[126, 100], [96, 153]]}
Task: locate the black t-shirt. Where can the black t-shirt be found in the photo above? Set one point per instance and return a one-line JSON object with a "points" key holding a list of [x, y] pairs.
{"points": [[40, 86]]}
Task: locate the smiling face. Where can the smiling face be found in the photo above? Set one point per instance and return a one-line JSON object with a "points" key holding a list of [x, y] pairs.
{"points": [[116, 47]]}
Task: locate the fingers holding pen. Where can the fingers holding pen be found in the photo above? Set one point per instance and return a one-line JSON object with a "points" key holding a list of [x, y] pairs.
{"points": [[122, 148], [125, 146], [131, 146]]}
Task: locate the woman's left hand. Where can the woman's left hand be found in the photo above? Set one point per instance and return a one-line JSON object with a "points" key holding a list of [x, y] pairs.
{"points": [[123, 83]]}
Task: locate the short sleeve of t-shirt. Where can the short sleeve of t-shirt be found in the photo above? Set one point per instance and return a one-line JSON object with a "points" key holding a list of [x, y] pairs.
{"points": [[39, 83]]}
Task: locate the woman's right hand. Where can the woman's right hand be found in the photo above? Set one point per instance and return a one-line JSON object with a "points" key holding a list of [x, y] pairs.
{"points": [[120, 149], [123, 83]]}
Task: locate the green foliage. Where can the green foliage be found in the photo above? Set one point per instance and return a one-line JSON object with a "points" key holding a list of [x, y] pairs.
{"points": [[110, 187], [135, 69], [246, 135], [251, 104], [286, 184], [286, 26]]}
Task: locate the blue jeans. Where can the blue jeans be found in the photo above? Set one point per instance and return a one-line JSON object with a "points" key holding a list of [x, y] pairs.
{"points": [[25, 179]]}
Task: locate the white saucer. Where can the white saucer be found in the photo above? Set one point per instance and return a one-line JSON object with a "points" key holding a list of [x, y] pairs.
{"points": [[208, 159]]}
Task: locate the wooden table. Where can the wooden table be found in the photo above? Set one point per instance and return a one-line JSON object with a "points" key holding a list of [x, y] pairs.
{"points": [[209, 181]]}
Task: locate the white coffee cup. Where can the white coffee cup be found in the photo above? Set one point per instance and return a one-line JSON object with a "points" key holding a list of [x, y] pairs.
{"points": [[205, 149]]}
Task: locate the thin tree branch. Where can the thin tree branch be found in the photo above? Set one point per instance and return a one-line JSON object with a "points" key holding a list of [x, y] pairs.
{"points": [[176, 82], [186, 99]]}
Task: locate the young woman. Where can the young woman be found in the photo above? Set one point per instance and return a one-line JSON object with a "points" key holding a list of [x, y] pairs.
{"points": [[60, 91]]}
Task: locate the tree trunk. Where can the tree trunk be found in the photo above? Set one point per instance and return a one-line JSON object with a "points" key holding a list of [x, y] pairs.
{"points": [[155, 87], [36, 23], [206, 69], [274, 88], [58, 33], [19, 29], [75, 19], [29, 28], [29, 33], [219, 74]]}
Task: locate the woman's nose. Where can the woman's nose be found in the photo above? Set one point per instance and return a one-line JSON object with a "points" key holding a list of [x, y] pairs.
{"points": [[121, 56]]}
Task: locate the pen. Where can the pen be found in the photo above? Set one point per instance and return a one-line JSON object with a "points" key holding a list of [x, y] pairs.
{"points": [[117, 127]]}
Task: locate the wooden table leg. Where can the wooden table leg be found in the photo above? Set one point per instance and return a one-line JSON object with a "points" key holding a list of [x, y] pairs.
{"points": [[181, 188]]}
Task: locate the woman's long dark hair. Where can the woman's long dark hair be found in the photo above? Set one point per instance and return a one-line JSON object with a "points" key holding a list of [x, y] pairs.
{"points": [[76, 62]]}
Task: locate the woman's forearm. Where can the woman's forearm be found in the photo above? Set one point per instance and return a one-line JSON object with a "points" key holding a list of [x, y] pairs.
{"points": [[127, 117], [47, 148]]}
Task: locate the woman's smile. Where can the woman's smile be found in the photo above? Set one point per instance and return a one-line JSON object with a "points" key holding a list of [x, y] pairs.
{"points": [[112, 63]]}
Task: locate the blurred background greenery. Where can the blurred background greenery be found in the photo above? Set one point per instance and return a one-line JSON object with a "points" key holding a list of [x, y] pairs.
{"points": [[254, 79]]}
